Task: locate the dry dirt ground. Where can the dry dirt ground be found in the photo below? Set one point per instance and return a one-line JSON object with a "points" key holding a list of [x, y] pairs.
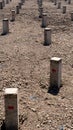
{"points": [[25, 64]]}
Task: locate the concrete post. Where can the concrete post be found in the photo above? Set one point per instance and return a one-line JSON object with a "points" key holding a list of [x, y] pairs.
{"points": [[59, 5], [1, 5], [47, 36], [39, 3], [55, 72], [7, 1], [64, 9], [5, 26], [55, 2], [40, 12], [44, 20], [71, 16], [3, 2], [17, 9], [22, 2], [11, 109], [20, 5], [69, 1], [13, 15]]}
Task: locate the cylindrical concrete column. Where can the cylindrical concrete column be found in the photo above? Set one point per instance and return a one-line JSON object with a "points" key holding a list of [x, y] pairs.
{"points": [[11, 108], [64, 9], [71, 16], [17, 9], [5, 26], [40, 12], [20, 5], [3, 2], [13, 15], [47, 36], [22, 2], [1, 5], [44, 20], [55, 72], [55, 2], [7, 1], [69, 1], [40, 3], [59, 5]]}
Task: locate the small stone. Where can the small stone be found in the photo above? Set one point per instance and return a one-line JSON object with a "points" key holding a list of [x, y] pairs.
{"points": [[33, 109], [50, 121], [38, 126]]}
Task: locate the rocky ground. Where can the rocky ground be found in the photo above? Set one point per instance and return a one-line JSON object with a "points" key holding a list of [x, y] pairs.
{"points": [[25, 64]]}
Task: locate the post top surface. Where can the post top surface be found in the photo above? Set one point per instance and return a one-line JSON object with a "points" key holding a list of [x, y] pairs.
{"points": [[44, 13], [13, 10], [56, 58], [11, 90], [47, 29], [5, 19]]}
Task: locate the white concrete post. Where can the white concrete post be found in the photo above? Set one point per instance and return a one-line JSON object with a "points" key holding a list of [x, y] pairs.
{"points": [[44, 20], [47, 36], [59, 5], [17, 9], [11, 109], [5, 26], [64, 9], [55, 72], [13, 15], [71, 16], [40, 12]]}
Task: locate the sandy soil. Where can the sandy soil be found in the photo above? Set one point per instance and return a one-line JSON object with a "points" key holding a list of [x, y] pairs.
{"points": [[25, 64]]}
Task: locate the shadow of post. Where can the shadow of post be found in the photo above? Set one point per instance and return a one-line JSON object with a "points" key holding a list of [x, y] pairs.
{"points": [[53, 90], [3, 126]]}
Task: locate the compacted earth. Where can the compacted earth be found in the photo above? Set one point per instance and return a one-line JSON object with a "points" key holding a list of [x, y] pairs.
{"points": [[25, 64]]}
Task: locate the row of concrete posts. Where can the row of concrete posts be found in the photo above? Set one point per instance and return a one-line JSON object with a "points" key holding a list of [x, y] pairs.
{"points": [[47, 31], [59, 1], [11, 95], [43, 15], [3, 3], [13, 14]]}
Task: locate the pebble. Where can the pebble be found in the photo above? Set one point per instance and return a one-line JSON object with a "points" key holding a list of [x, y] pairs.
{"points": [[38, 125], [33, 109]]}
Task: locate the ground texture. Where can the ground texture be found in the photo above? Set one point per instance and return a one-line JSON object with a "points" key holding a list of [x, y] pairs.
{"points": [[25, 64]]}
